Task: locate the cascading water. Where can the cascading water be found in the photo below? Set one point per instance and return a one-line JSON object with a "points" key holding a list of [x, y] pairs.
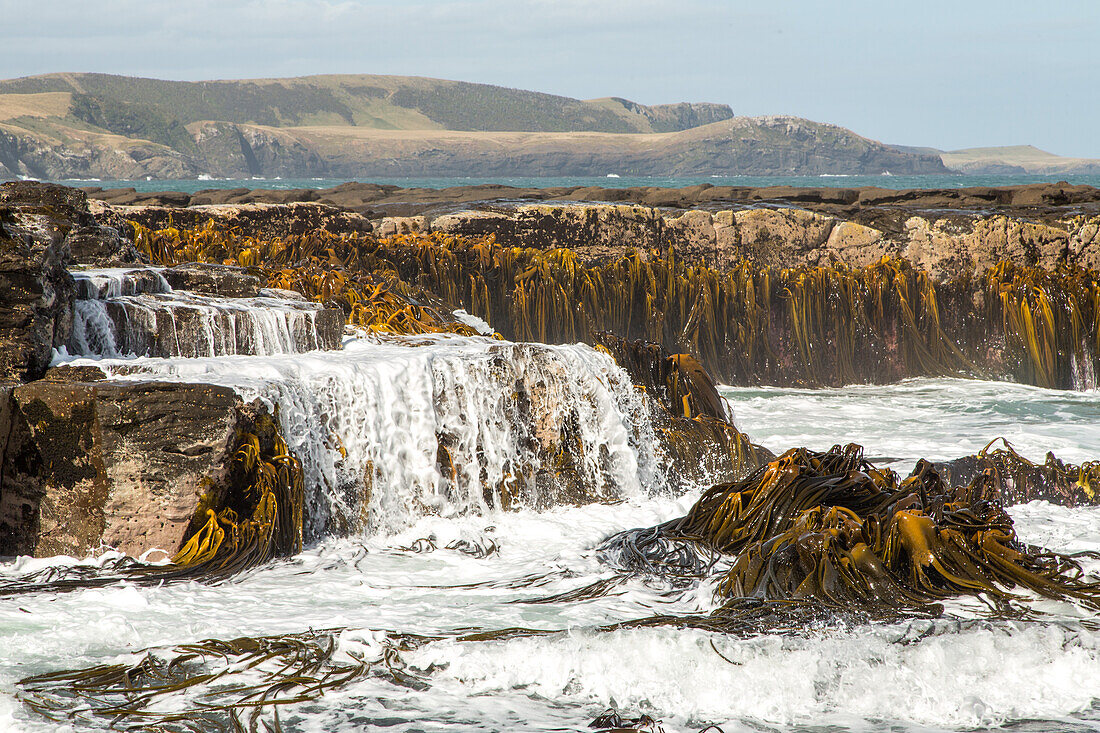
{"points": [[388, 432], [120, 312]]}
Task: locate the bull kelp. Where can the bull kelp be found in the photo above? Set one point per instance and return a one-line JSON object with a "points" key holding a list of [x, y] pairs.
{"points": [[823, 325], [830, 529]]}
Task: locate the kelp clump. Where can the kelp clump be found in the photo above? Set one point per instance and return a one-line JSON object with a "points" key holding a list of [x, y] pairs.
{"points": [[1019, 480], [823, 325], [832, 530]]}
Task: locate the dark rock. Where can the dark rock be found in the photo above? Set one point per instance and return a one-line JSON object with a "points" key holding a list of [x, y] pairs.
{"points": [[115, 463], [36, 290], [260, 220], [223, 280]]}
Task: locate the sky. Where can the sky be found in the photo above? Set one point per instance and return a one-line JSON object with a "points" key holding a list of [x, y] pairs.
{"points": [[948, 75]]}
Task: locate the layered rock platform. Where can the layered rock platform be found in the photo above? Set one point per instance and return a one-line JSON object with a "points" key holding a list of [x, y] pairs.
{"points": [[756, 286], [945, 232]]}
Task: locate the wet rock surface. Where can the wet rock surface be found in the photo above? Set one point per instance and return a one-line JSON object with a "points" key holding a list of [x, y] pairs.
{"points": [[85, 461], [91, 463], [37, 289], [204, 277]]}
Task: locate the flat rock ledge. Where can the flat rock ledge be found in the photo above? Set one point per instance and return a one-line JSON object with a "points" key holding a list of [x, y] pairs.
{"points": [[945, 244]]}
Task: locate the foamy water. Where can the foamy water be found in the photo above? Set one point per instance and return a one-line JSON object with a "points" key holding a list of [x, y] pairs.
{"points": [[400, 577]]}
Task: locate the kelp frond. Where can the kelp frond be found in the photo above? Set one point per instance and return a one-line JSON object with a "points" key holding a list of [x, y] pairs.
{"points": [[829, 324], [831, 529], [237, 684]]}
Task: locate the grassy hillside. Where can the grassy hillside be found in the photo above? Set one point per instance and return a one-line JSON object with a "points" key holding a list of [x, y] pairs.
{"points": [[1008, 159], [104, 126], [379, 102], [1017, 158]]}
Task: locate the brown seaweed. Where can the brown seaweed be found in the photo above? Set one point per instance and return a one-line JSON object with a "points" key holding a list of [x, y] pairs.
{"points": [[823, 325], [237, 684], [831, 529]]}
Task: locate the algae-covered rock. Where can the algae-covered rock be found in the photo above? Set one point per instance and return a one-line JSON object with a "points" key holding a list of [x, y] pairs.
{"points": [[109, 463]]}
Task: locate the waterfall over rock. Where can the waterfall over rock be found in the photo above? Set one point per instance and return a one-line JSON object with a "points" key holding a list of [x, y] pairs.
{"points": [[136, 312], [387, 432]]}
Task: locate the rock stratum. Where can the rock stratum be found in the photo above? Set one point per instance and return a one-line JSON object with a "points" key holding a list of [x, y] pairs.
{"points": [[258, 426], [64, 126]]}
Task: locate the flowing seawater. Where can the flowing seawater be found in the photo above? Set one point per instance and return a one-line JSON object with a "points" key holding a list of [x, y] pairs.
{"points": [[950, 674], [192, 185]]}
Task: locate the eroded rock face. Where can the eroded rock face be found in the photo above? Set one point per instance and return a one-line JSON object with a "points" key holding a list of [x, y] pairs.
{"points": [[945, 246], [260, 220], [212, 279], [36, 291], [122, 464]]}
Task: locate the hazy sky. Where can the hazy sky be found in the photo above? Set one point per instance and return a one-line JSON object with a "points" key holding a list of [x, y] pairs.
{"points": [[945, 74]]}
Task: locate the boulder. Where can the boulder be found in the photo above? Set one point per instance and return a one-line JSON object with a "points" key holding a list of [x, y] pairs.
{"points": [[109, 463]]}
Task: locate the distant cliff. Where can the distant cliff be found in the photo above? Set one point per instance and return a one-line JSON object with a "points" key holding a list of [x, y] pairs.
{"points": [[102, 126]]}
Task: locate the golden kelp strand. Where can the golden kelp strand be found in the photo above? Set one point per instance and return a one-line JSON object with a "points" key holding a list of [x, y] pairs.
{"points": [[830, 529], [832, 324]]}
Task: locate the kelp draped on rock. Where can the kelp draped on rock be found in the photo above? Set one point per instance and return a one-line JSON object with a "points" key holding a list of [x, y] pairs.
{"points": [[810, 325], [831, 529], [321, 267], [251, 512], [700, 439]]}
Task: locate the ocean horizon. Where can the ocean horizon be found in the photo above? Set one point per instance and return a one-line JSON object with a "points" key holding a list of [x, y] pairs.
{"points": [[931, 181]]}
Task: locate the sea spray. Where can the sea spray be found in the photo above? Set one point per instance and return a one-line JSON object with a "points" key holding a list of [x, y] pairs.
{"points": [[389, 431]]}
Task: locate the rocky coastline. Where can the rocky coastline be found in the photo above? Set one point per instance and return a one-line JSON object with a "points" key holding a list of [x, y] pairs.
{"points": [[945, 232], [89, 460]]}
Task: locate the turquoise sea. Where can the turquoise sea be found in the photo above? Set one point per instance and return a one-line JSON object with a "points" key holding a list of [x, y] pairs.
{"points": [[824, 181]]}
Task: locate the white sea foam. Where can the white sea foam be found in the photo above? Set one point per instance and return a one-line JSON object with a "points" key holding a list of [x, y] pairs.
{"points": [[368, 421], [418, 571], [937, 419]]}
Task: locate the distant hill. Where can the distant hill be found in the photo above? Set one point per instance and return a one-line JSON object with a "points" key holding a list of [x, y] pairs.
{"points": [[1016, 159], [1008, 160], [105, 126]]}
